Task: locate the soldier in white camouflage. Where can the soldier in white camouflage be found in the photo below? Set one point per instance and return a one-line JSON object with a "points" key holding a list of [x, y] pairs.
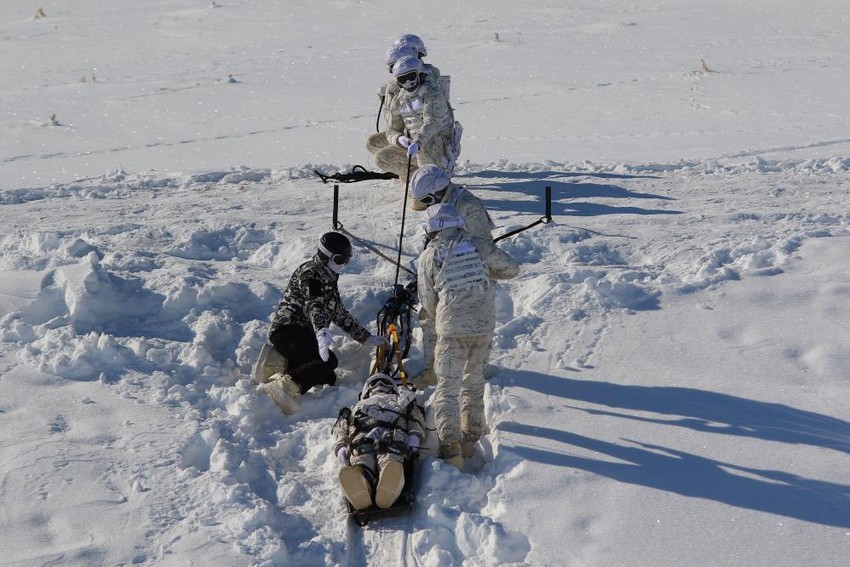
{"points": [[455, 283], [428, 186], [422, 124], [373, 439], [300, 328], [405, 45]]}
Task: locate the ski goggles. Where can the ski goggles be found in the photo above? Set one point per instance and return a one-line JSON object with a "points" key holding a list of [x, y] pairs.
{"points": [[425, 201], [340, 259], [428, 199], [407, 78]]}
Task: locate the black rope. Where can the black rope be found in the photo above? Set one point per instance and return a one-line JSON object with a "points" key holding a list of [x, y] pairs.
{"points": [[378, 120]]}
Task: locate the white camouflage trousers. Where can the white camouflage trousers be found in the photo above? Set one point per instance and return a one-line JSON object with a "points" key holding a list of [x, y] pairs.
{"points": [[429, 338], [459, 398]]}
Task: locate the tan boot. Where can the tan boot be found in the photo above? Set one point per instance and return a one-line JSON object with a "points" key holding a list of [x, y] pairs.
{"points": [[355, 486], [427, 378], [390, 484], [283, 391], [269, 362], [451, 454], [467, 445]]}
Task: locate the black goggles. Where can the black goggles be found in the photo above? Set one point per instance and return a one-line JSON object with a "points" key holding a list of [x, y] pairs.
{"points": [[428, 199], [407, 77], [340, 259], [432, 198]]}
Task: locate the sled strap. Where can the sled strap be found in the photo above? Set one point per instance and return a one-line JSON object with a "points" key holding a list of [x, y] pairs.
{"points": [[397, 351], [338, 226]]}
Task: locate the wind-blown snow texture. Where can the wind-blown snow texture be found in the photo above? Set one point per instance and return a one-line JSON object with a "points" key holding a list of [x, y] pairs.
{"points": [[668, 384]]}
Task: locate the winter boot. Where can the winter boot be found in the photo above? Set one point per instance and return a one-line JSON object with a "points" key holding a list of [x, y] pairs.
{"points": [[269, 362], [451, 454], [467, 445], [427, 378], [356, 486], [283, 391], [390, 484]]}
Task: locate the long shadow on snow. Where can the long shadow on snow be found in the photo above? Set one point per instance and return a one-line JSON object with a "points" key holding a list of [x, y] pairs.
{"points": [[662, 468], [563, 195], [700, 410], [543, 175], [772, 491]]}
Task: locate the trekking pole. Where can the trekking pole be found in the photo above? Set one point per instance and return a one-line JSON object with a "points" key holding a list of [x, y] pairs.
{"points": [[403, 215], [336, 207]]}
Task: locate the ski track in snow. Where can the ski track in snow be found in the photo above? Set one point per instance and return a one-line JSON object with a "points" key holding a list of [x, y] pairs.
{"points": [[168, 312]]}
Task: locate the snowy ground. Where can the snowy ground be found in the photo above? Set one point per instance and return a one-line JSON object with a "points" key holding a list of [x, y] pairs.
{"points": [[669, 376]]}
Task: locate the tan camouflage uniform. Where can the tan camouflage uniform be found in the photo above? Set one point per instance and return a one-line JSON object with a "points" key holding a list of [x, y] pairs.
{"points": [[424, 116], [455, 283], [387, 417], [479, 224], [388, 92]]}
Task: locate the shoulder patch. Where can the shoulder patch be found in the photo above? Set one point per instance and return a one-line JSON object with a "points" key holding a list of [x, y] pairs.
{"points": [[314, 287]]}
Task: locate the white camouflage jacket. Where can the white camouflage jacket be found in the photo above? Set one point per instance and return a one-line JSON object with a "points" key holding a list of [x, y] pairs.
{"points": [[455, 282], [475, 216], [425, 116]]}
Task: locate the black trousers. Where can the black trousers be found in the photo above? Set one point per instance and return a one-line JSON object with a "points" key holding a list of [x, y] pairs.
{"points": [[298, 344]]}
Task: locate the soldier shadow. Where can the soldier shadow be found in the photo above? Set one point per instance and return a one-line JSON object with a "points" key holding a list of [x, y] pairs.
{"points": [[664, 468], [542, 175], [568, 198]]}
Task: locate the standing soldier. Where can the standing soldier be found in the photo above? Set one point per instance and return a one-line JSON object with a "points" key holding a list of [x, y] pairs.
{"points": [[455, 282], [428, 186]]}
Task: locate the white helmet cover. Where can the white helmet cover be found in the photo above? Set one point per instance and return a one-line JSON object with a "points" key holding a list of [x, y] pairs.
{"points": [[415, 41]]}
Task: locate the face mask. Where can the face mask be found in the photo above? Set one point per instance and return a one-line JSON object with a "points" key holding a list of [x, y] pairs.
{"points": [[409, 82]]}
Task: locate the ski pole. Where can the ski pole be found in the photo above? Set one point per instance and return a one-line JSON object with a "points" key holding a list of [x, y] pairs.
{"points": [[403, 215]]}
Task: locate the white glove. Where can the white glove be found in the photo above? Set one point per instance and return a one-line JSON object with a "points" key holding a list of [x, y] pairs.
{"points": [[404, 141], [375, 341], [412, 441], [413, 149], [342, 456], [326, 341]]}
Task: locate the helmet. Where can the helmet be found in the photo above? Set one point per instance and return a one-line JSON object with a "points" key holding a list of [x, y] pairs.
{"points": [[406, 72], [407, 64], [379, 381], [415, 41], [425, 183], [396, 52], [335, 248]]}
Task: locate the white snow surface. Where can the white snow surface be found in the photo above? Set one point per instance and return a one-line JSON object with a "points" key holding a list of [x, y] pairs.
{"points": [[669, 379]]}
